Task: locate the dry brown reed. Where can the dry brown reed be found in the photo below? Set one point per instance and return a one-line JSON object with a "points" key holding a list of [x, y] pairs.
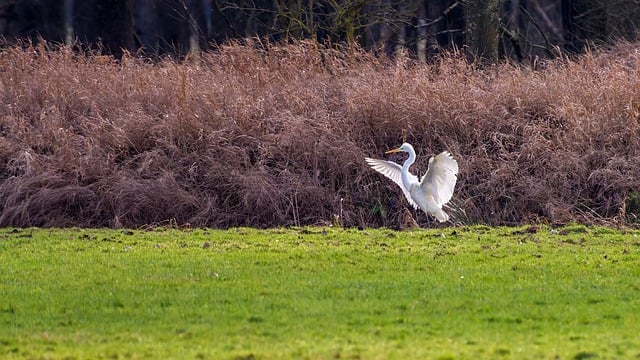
{"points": [[275, 135]]}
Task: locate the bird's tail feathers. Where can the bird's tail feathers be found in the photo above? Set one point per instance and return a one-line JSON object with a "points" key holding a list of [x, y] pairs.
{"points": [[440, 215]]}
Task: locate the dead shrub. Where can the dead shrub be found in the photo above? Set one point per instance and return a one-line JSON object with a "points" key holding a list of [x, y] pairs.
{"points": [[258, 134]]}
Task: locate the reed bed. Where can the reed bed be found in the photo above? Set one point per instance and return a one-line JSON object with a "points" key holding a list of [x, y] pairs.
{"points": [[267, 135]]}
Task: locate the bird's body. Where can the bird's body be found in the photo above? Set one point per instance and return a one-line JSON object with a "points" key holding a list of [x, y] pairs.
{"points": [[430, 193]]}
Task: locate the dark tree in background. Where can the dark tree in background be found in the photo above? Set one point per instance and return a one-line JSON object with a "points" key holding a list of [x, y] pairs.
{"points": [[482, 22], [445, 24], [485, 29], [172, 26], [600, 21], [31, 18], [108, 23]]}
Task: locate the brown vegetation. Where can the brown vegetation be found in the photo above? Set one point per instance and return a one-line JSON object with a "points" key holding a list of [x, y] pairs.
{"points": [[276, 135]]}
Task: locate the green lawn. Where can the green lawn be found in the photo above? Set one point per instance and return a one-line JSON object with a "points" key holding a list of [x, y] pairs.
{"points": [[463, 293]]}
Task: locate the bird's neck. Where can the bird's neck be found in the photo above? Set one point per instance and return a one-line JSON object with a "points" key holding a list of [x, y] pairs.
{"points": [[409, 161], [405, 167]]}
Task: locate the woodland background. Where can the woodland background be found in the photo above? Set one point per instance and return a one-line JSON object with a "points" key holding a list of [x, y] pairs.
{"points": [[137, 113], [491, 29]]}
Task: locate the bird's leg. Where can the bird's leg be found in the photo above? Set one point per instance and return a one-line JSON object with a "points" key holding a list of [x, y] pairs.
{"points": [[428, 220]]}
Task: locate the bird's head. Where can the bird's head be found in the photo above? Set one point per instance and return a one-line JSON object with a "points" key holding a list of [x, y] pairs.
{"points": [[406, 147]]}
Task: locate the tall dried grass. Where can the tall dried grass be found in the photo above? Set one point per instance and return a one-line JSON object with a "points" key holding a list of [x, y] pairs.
{"points": [[276, 135]]}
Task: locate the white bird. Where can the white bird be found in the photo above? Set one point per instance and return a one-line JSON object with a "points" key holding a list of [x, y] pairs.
{"points": [[434, 189]]}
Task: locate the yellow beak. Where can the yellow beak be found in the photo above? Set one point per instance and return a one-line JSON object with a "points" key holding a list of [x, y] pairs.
{"points": [[393, 151]]}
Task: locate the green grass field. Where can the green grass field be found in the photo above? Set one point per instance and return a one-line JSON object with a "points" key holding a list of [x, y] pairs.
{"points": [[458, 293]]}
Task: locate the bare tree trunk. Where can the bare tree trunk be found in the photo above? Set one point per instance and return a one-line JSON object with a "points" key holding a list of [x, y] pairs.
{"points": [[68, 21], [421, 44], [483, 20], [401, 43], [147, 24], [202, 11]]}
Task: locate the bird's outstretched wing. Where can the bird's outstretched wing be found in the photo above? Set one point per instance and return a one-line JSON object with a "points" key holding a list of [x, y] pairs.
{"points": [[393, 172], [440, 178]]}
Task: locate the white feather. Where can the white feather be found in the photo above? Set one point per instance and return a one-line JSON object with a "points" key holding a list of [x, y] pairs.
{"points": [[434, 190]]}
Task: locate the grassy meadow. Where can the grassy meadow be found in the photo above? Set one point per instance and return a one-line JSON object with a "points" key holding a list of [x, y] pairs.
{"points": [[320, 293]]}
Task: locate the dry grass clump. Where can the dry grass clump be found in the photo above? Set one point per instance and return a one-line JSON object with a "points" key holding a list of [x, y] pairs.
{"points": [[276, 134]]}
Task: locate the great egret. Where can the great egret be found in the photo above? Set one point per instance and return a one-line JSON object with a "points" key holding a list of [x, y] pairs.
{"points": [[434, 189]]}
